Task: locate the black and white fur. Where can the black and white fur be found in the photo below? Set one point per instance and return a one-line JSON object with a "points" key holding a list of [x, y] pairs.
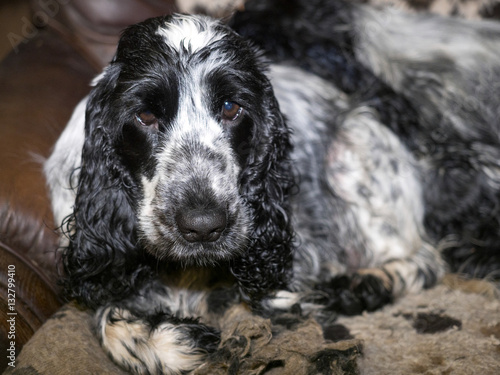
{"points": [[181, 193]]}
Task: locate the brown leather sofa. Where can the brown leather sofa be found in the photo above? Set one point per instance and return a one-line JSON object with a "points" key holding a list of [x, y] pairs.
{"points": [[41, 81]]}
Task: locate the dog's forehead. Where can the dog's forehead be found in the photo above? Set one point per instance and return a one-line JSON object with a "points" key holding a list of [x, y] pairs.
{"points": [[190, 33]]}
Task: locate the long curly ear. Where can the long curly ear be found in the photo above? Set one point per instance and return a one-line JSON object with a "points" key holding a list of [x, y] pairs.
{"points": [[102, 262], [266, 185]]}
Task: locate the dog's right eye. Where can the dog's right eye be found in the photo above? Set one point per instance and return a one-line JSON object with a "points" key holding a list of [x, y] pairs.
{"points": [[146, 118]]}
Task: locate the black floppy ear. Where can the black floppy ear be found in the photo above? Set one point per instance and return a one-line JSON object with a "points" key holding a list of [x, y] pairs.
{"points": [[266, 183], [102, 262]]}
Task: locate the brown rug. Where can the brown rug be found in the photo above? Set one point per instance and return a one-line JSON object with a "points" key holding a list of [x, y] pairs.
{"points": [[451, 329], [250, 345]]}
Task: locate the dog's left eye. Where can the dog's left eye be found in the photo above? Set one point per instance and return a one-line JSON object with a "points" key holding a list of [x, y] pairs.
{"points": [[231, 111], [146, 118]]}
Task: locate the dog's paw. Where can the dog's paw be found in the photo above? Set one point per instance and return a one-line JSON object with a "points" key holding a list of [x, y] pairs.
{"points": [[205, 339], [156, 344], [353, 294]]}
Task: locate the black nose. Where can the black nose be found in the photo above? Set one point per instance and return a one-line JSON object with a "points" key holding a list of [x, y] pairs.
{"points": [[201, 225]]}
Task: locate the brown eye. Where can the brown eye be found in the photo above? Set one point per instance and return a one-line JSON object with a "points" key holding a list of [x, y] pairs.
{"points": [[146, 118], [231, 111]]}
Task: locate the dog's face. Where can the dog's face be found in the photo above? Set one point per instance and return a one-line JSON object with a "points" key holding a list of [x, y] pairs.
{"points": [[186, 95]]}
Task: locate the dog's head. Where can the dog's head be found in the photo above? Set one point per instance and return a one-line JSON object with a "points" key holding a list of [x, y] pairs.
{"points": [[185, 159]]}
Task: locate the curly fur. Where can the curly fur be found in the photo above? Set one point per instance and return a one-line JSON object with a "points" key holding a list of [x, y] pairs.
{"points": [[390, 165]]}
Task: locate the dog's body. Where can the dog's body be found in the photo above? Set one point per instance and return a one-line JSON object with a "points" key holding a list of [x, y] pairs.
{"points": [[190, 197]]}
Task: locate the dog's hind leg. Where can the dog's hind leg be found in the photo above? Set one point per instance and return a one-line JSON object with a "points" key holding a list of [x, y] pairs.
{"points": [[379, 181], [371, 288]]}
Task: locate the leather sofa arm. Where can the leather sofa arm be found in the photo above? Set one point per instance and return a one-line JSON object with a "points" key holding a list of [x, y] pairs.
{"points": [[27, 300], [40, 85]]}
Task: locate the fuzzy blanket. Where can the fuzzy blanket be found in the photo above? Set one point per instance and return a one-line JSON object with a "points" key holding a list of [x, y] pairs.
{"points": [[453, 328]]}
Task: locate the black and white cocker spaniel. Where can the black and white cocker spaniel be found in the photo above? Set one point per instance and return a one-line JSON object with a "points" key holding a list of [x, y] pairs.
{"points": [[315, 153]]}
